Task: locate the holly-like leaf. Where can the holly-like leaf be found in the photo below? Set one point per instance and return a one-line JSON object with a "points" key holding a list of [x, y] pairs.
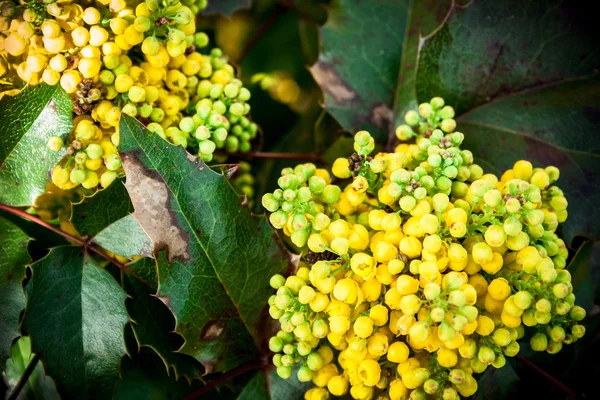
{"points": [[38, 386], [95, 213], [126, 238], [75, 317], [361, 48], [28, 120], [584, 274], [215, 277], [13, 259], [497, 384], [226, 7], [424, 18], [257, 384], [144, 378], [488, 49], [106, 217], [268, 385], [153, 323], [519, 74], [556, 126]]}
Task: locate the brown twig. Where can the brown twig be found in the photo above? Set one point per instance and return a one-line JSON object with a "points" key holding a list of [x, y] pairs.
{"points": [[314, 156], [84, 243], [562, 387], [277, 12], [24, 378], [249, 366]]}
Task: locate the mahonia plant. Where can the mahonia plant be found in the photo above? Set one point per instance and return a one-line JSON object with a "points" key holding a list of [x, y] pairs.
{"points": [[420, 272], [140, 58]]}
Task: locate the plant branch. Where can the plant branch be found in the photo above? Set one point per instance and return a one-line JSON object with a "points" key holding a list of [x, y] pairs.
{"points": [[314, 156], [277, 12], [24, 378], [249, 366], [558, 384], [84, 243]]}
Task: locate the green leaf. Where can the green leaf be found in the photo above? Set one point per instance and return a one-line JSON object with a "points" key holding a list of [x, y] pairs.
{"points": [[13, 259], [226, 7], [551, 126], [38, 386], [215, 278], [497, 383], [584, 270], [425, 16], [493, 48], [106, 217], [126, 238], [153, 323], [144, 378], [268, 385], [361, 48], [519, 74], [261, 384], [95, 213], [29, 119], [75, 317]]}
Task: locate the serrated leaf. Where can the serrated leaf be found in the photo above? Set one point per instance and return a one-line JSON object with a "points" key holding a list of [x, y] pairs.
{"points": [[144, 378], [424, 18], [268, 385], [258, 384], [28, 120], [491, 48], [153, 323], [361, 48], [126, 238], [75, 317], [226, 7], [481, 60], [38, 386], [219, 255], [556, 126], [95, 213], [13, 259], [519, 74], [106, 217], [497, 383], [584, 274]]}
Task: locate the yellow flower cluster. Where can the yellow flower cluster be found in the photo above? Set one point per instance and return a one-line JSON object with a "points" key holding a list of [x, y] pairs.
{"points": [[116, 57], [422, 271]]}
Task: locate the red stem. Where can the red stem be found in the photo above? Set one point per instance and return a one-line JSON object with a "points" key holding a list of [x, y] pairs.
{"points": [[314, 156], [84, 243], [249, 366], [279, 10], [567, 390]]}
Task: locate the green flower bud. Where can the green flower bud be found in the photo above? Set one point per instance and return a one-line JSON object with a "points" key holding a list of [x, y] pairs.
{"points": [[275, 344], [284, 372], [486, 355], [578, 331], [314, 361], [425, 110], [304, 374], [412, 118], [299, 238], [553, 347], [499, 362], [577, 313], [55, 143], [331, 194], [512, 349], [457, 376]]}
